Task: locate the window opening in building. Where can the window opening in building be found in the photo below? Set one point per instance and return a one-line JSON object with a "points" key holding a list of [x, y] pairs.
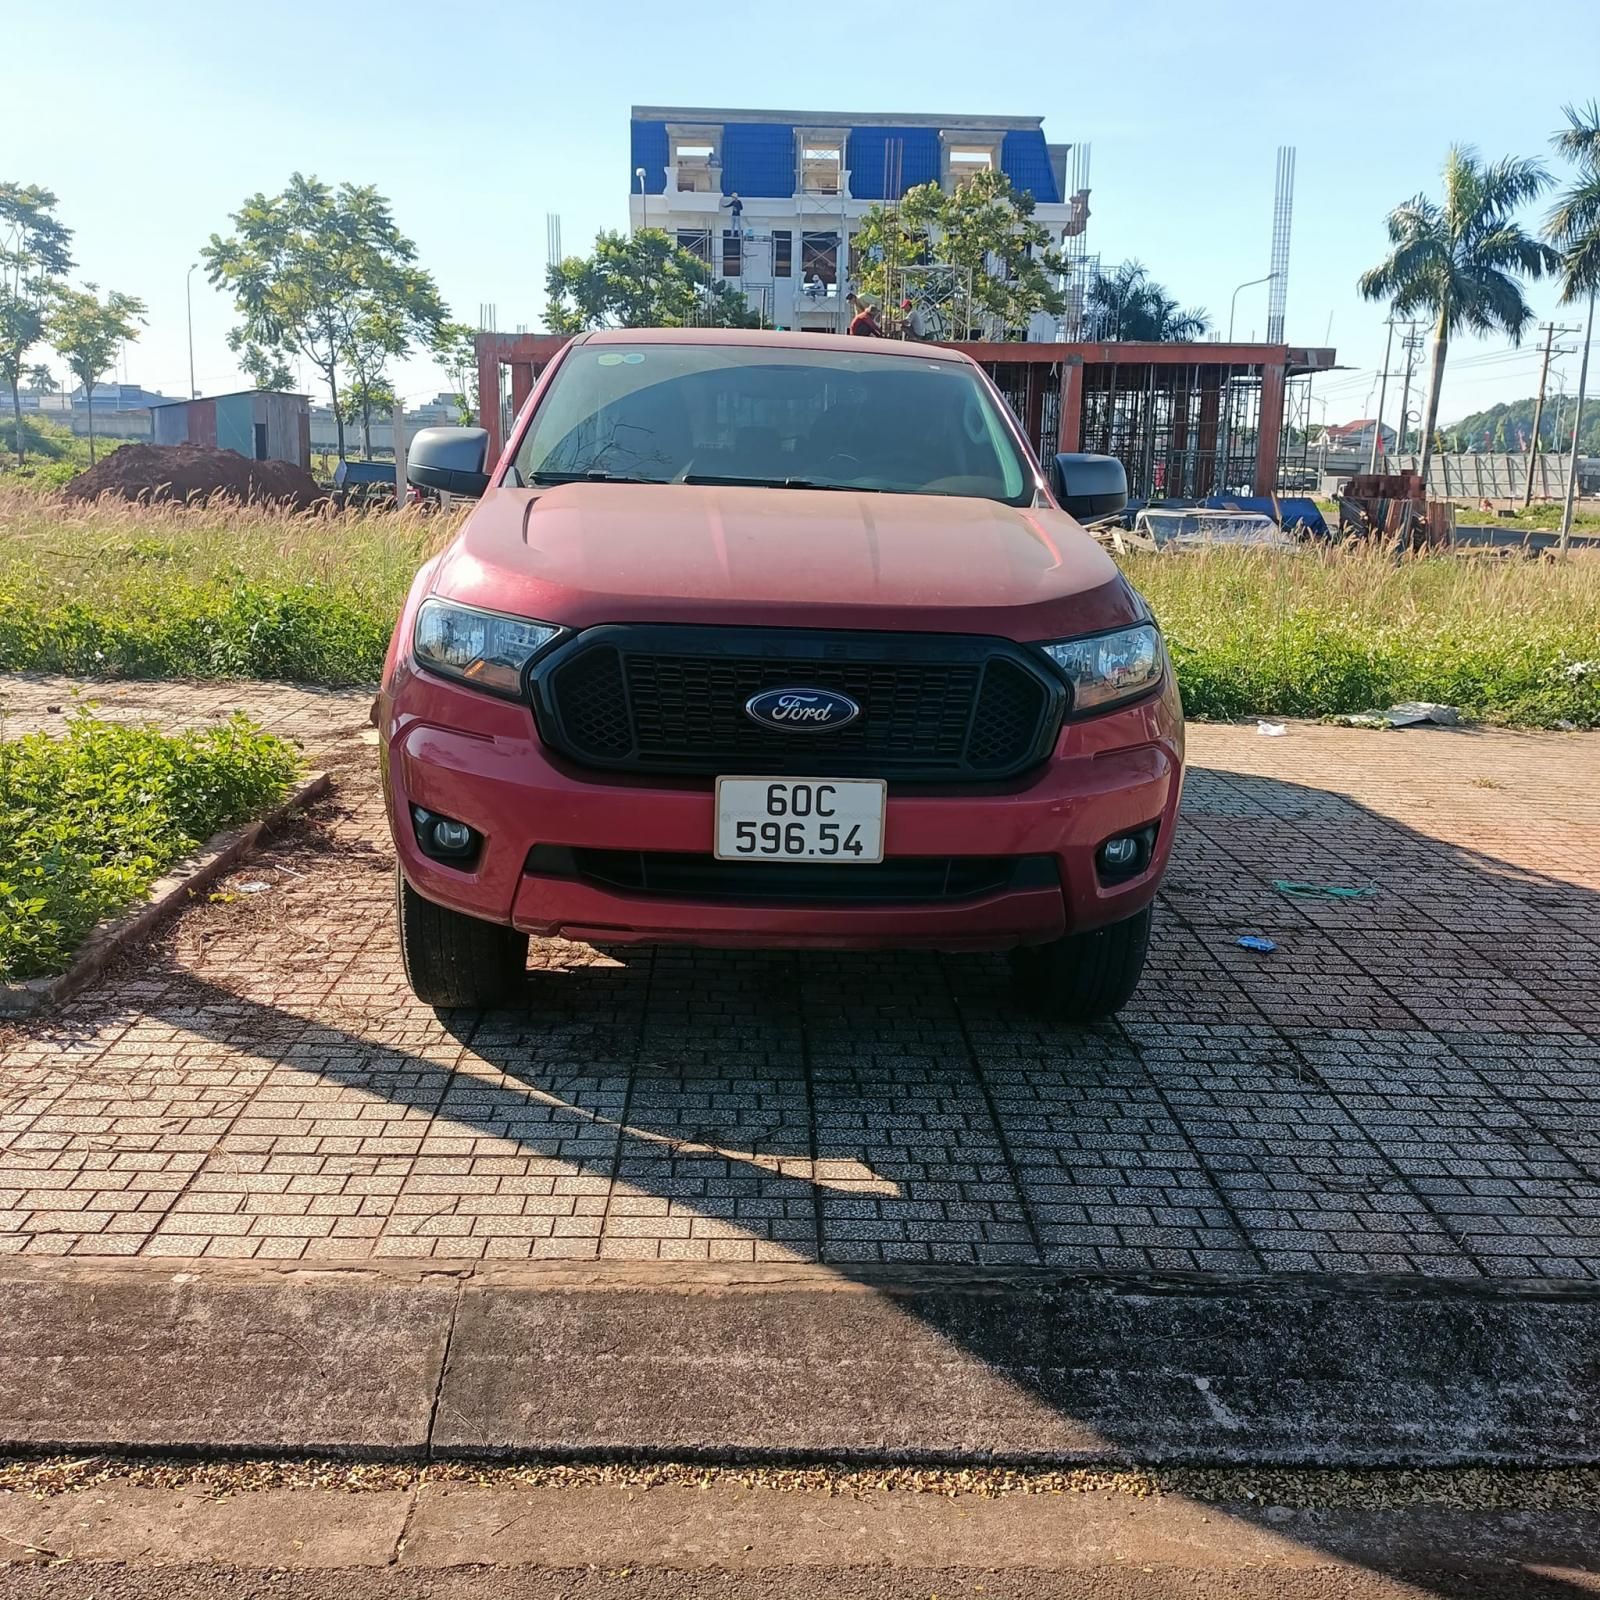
{"points": [[821, 166], [819, 258]]}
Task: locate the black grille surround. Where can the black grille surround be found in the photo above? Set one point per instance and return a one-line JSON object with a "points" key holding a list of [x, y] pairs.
{"points": [[899, 880], [670, 699]]}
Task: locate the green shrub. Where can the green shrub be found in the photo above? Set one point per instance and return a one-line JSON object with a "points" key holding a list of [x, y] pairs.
{"points": [[89, 820]]}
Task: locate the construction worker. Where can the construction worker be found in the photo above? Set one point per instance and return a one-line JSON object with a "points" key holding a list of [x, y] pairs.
{"points": [[864, 324], [914, 320]]}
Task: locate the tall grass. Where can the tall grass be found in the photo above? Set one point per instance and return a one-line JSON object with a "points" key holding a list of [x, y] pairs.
{"points": [[119, 590], [1313, 632], [122, 590]]}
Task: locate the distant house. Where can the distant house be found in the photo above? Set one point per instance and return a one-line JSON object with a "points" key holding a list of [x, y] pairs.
{"points": [[1356, 436], [261, 424]]}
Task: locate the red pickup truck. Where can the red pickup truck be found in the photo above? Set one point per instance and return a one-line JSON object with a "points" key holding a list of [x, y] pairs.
{"points": [[764, 639]]}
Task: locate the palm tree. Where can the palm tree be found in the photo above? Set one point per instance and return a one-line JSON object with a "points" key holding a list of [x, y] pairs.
{"points": [[1461, 260], [1573, 227], [1131, 305]]}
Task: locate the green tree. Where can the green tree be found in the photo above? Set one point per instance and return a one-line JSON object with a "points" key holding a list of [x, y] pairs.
{"points": [[1461, 260], [456, 350], [311, 270], [1573, 228], [33, 257], [643, 280], [1128, 304], [362, 396], [41, 378], [1002, 268], [266, 369], [87, 331], [375, 338]]}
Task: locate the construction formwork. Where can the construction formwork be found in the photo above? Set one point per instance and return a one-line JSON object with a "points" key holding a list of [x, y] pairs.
{"points": [[1185, 420]]}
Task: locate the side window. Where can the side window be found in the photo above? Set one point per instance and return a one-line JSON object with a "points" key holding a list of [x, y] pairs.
{"points": [[732, 253], [782, 253], [697, 241]]}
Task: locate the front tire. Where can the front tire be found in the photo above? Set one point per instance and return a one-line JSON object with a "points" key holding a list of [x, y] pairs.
{"points": [[1085, 977], [453, 960]]}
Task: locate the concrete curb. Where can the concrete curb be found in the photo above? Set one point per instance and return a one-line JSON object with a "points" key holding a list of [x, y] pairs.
{"points": [[168, 895], [788, 1363]]}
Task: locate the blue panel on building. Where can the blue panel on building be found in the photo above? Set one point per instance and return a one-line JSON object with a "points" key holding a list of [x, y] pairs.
{"points": [[918, 157], [1025, 160], [758, 160], [236, 415], [651, 152]]}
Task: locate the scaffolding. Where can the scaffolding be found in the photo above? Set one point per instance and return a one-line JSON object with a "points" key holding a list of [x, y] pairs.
{"points": [[1180, 431]]}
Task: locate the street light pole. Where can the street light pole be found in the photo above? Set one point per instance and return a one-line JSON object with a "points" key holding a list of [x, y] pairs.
{"points": [[188, 307], [644, 215], [1232, 304]]}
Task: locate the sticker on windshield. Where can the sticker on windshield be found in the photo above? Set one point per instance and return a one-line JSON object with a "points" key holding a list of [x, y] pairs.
{"points": [[610, 361], [632, 359]]}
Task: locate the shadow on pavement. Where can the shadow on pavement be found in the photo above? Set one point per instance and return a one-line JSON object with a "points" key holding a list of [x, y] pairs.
{"points": [[823, 1104]]}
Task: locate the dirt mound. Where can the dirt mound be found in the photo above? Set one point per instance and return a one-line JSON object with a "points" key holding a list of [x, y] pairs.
{"points": [[194, 472]]}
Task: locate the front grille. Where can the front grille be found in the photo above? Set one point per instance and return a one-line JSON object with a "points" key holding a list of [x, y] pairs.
{"points": [[664, 699], [898, 880]]}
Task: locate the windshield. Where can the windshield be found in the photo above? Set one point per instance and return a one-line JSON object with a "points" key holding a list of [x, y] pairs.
{"points": [[824, 419]]}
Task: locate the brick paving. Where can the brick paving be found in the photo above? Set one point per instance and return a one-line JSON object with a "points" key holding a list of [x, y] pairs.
{"points": [[1410, 1082]]}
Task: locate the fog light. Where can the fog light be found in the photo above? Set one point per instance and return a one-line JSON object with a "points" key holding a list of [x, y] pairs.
{"points": [[451, 837], [444, 838], [1127, 855]]}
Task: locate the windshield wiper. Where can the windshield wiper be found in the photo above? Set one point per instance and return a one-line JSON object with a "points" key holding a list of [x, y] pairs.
{"points": [[595, 475], [774, 483]]}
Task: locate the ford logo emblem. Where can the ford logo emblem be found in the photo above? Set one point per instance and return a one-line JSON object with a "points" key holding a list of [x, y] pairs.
{"points": [[801, 710]]}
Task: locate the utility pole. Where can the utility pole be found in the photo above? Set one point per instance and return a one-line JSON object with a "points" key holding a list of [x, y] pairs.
{"points": [[1413, 343], [1538, 412], [1383, 390], [1550, 332], [1577, 431]]}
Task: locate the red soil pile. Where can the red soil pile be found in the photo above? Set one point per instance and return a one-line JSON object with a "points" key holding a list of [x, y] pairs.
{"points": [[194, 472]]}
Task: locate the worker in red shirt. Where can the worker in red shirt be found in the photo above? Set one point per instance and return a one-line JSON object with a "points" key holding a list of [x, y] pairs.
{"points": [[863, 324]]}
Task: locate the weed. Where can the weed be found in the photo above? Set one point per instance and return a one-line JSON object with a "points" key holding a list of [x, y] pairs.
{"points": [[90, 819]]}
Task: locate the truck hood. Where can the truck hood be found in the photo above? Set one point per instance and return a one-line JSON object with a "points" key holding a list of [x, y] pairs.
{"points": [[591, 553]]}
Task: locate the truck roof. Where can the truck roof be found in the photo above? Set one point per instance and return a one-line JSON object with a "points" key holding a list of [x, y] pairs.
{"points": [[786, 340]]}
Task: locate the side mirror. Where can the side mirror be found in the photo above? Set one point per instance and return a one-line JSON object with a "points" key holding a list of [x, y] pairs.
{"points": [[1089, 486], [452, 459]]}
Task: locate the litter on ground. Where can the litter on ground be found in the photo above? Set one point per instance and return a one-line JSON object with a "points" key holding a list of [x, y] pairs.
{"points": [[1273, 730], [1321, 891], [1408, 714], [1254, 941]]}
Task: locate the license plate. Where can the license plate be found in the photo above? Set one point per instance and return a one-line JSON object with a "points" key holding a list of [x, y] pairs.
{"points": [[800, 819]]}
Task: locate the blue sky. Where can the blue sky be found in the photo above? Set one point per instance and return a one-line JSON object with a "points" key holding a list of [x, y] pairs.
{"points": [[152, 120]]}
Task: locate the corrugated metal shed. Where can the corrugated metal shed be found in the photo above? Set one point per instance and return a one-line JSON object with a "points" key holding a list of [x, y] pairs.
{"points": [[260, 424]]}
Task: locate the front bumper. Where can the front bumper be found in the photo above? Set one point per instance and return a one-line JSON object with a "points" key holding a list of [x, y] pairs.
{"points": [[469, 756]]}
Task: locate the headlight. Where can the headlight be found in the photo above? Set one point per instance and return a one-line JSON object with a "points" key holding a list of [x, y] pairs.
{"points": [[481, 648], [1110, 668]]}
